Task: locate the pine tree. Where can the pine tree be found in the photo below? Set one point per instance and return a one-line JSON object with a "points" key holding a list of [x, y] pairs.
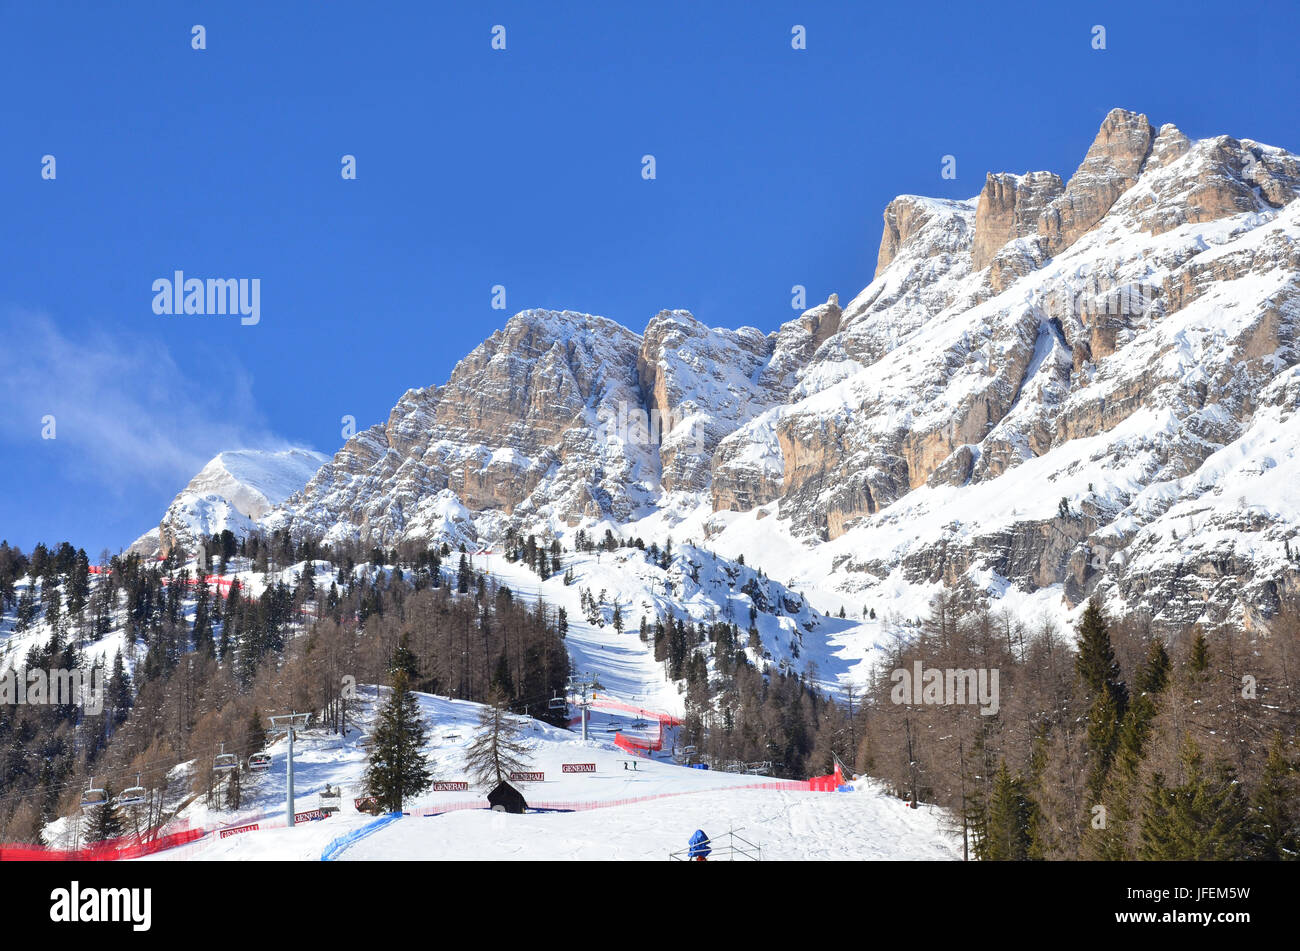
{"points": [[1113, 841], [118, 696], [499, 748], [1095, 663], [403, 661], [104, 823], [1009, 832], [1200, 658], [398, 769], [501, 679], [1104, 692], [1275, 809], [255, 737], [1202, 819]]}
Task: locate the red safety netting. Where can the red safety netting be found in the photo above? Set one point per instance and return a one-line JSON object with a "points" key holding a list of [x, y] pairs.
{"points": [[637, 746], [213, 581], [828, 783], [216, 581], [665, 719], [111, 850]]}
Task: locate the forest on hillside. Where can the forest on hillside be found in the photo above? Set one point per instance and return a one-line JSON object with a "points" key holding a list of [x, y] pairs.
{"points": [[1112, 743]]}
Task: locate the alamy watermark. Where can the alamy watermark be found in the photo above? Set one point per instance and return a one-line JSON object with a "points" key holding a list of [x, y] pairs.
{"points": [[82, 687], [633, 426], [216, 296], [946, 686], [1096, 300]]}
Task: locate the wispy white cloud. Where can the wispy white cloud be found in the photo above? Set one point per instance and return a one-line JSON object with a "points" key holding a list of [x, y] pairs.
{"points": [[123, 405]]}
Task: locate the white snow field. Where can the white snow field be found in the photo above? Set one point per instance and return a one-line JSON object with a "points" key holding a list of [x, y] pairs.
{"points": [[785, 825], [630, 807]]}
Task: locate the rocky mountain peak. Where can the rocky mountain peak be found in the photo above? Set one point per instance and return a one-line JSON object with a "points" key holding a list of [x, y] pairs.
{"points": [[1009, 207], [1111, 166], [1040, 391]]}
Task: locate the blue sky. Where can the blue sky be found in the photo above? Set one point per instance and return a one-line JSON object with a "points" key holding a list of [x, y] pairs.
{"points": [[478, 167]]}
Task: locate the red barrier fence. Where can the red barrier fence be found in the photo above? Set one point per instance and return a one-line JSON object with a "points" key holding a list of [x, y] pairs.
{"points": [[112, 850], [636, 746], [827, 783], [213, 580], [665, 719]]}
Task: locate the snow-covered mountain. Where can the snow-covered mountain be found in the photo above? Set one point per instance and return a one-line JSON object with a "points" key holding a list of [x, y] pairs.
{"points": [[231, 492], [1054, 387]]}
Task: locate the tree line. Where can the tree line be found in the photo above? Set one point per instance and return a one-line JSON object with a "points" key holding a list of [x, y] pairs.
{"points": [[204, 668]]}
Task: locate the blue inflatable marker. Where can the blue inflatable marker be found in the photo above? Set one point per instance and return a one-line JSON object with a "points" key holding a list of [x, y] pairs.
{"points": [[699, 850]]}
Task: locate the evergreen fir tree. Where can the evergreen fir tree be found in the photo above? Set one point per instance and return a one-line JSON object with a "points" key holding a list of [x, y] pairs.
{"points": [[398, 769], [1202, 819], [1009, 833], [1104, 692], [1113, 841], [255, 737], [104, 822], [501, 679], [403, 660], [1200, 658], [1275, 809], [1095, 663]]}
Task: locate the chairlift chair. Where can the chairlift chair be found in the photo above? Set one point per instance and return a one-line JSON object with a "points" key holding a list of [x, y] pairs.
{"points": [[330, 798], [93, 798], [224, 761], [559, 703], [134, 795], [259, 762]]}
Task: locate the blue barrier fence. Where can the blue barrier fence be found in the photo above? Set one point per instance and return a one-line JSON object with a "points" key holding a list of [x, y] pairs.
{"points": [[356, 835]]}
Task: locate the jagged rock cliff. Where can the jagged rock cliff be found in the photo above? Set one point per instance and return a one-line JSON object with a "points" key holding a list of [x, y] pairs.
{"points": [[1050, 388]]}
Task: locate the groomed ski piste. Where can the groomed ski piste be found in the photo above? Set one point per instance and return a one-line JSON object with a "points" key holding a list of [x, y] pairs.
{"points": [[626, 804], [632, 807]]}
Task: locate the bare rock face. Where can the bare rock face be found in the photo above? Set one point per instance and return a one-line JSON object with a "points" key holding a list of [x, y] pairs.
{"points": [[1110, 168], [1051, 388], [1170, 145], [699, 385], [748, 468], [1009, 207], [904, 217], [529, 422]]}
